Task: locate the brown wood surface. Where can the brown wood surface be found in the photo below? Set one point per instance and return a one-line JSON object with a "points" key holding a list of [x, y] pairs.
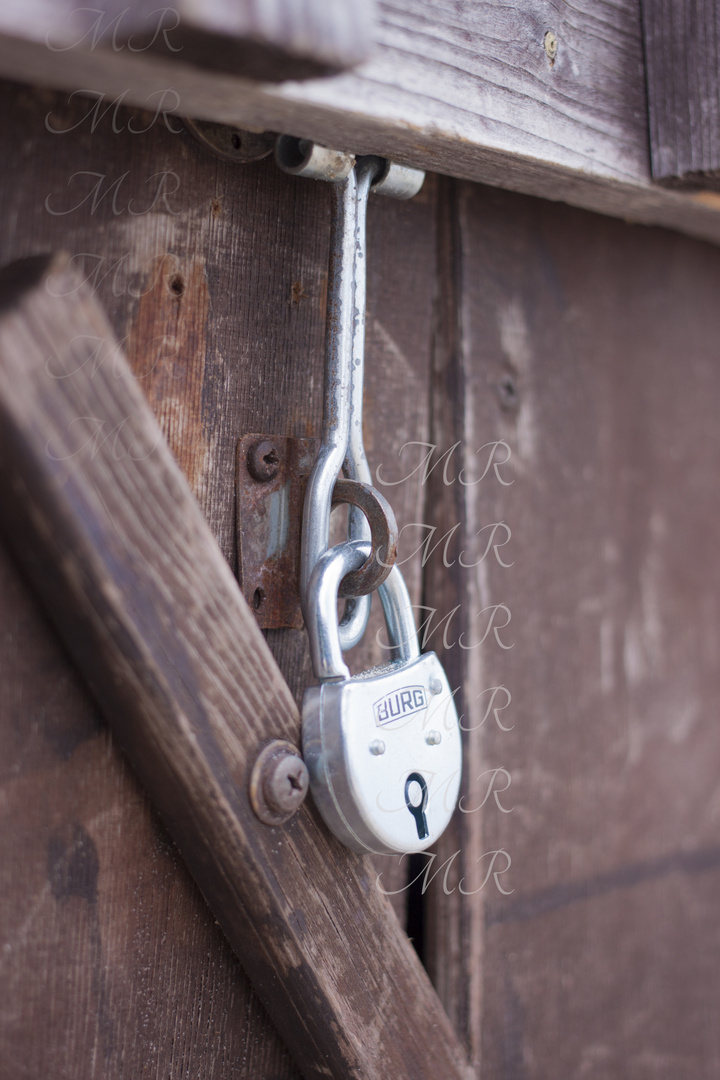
{"points": [[109, 966], [463, 88], [218, 294], [682, 57], [288, 39], [117, 549], [589, 348]]}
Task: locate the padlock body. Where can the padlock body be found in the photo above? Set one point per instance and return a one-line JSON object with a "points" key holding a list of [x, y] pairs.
{"points": [[384, 754]]}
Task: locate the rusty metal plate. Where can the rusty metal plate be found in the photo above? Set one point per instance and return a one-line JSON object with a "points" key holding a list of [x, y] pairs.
{"points": [[272, 473]]}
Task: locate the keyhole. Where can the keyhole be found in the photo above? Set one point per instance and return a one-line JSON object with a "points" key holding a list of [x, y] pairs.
{"points": [[418, 810]]}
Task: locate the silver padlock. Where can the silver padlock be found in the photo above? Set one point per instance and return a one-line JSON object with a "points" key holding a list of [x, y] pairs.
{"points": [[383, 748]]}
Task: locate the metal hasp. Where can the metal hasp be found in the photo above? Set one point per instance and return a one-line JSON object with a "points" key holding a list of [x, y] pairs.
{"points": [[270, 480], [383, 748]]}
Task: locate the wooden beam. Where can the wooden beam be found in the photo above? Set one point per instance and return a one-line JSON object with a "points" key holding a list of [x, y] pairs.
{"points": [[106, 527], [682, 53], [475, 90], [288, 39]]}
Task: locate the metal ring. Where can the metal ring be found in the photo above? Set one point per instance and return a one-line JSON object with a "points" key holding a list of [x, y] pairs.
{"points": [[383, 531]]}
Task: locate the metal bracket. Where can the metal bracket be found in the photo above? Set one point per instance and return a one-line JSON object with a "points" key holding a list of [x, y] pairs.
{"points": [[271, 477]]}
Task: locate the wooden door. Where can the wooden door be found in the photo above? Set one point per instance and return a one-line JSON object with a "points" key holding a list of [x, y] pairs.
{"points": [[540, 393]]}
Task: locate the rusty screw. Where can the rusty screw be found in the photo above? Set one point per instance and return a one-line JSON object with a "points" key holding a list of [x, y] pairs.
{"points": [[279, 783], [263, 461]]}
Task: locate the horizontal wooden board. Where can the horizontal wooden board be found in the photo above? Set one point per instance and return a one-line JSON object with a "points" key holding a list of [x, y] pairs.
{"points": [[473, 90], [288, 39]]}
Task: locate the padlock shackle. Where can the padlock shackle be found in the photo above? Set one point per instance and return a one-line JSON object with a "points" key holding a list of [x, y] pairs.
{"points": [[399, 617], [321, 606], [321, 610]]}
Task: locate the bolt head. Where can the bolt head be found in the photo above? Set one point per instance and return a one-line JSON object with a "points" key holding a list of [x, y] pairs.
{"points": [[279, 783], [263, 461], [377, 747], [285, 783], [435, 686], [433, 738]]}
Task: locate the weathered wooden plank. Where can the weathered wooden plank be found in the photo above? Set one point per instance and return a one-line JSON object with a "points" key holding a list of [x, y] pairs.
{"points": [[682, 56], [210, 356], [103, 520], [473, 90], [218, 292], [288, 39], [453, 928], [590, 350]]}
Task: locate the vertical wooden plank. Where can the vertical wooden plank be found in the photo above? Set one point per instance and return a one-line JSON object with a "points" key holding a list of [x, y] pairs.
{"points": [[682, 57], [588, 348]]}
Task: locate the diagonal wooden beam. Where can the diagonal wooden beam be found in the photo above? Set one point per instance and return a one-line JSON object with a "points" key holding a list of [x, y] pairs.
{"points": [[101, 518]]}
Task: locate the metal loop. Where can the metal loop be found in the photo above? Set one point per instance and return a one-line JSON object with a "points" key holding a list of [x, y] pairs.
{"points": [[384, 534], [399, 618], [325, 648], [321, 614], [354, 621]]}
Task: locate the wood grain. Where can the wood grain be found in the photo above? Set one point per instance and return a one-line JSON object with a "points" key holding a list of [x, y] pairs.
{"points": [[204, 367], [453, 928], [463, 89], [107, 528], [109, 966], [682, 54], [590, 349], [219, 299]]}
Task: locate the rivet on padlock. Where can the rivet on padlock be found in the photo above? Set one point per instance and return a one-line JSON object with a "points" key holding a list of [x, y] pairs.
{"points": [[383, 748]]}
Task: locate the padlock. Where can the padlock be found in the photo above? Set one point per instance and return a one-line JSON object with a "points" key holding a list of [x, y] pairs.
{"points": [[383, 748]]}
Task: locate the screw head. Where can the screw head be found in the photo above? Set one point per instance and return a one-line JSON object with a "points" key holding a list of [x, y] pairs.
{"points": [[433, 738], [279, 783], [377, 747], [263, 461], [435, 686], [550, 43]]}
